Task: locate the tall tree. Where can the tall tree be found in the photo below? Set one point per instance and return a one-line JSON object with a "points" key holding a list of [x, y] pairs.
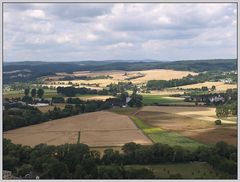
{"points": [[33, 92], [26, 91], [40, 92]]}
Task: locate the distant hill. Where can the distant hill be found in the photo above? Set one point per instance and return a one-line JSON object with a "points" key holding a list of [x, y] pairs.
{"points": [[36, 69]]}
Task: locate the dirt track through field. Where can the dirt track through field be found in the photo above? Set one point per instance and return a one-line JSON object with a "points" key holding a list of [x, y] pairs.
{"points": [[96, 129]]}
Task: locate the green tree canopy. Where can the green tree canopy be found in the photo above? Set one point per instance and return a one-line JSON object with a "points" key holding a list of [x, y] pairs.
{"points": [[40, 92]]}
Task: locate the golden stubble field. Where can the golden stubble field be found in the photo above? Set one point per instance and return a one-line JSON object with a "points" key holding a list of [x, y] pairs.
{"points": [[220, 86], [120, 76], [193, 122], [96, 129]]}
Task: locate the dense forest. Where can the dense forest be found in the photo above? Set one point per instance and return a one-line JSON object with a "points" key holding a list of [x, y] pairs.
{"points": [[30, 71], [77, 161]]}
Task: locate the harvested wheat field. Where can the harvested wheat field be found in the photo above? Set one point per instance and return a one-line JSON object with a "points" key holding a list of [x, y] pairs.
{"points": [[52, 85], [96, 129], [145, 75], [50, 107], [160, 74], [220, 86], [194, 122], [136, 77], [97, 97]]}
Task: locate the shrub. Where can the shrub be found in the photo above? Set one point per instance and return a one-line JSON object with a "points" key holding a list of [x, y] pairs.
{"points": [[218, 122]]}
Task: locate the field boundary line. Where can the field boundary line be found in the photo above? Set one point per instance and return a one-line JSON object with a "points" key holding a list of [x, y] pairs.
{"points": [[145, 134]]}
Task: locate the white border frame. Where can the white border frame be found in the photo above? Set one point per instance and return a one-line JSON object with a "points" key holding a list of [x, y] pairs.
{"points": [[118, 1]]}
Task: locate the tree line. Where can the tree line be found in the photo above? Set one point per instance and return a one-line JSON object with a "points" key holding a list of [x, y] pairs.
{"points": [[112, 89], [72, 91], [77, 161], [86, 77], [34, 93]]}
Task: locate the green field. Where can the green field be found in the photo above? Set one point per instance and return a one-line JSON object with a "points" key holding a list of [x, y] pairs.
{"points": [[174, 139], [48, 93], [159, 99], [194, 170], [158, 135]]}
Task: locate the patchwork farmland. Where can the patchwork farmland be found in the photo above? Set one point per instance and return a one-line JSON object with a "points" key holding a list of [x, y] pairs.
{"points": [[136, 77], [189, 127], [157, 122]]}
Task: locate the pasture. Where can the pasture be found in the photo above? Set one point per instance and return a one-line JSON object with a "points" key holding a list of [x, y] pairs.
{"points": [[96, 129], [48, 93], [149, 99]]}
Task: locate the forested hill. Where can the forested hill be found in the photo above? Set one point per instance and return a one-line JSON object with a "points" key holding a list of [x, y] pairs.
{"points": [[32, 70]]}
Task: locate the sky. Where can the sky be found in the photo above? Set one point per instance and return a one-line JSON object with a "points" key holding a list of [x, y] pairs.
{"points": [[119, 31]]}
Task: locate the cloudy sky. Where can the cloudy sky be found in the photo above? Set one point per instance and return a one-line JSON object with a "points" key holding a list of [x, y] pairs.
{"points": [[90, 31]]}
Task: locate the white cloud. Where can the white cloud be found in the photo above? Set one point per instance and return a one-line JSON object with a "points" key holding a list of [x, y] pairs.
{"points": [[91, 37], [120, 45], [128, 31], [39, 14], [63, 39]]}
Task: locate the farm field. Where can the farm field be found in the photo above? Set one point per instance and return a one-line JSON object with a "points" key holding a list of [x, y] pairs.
{"points": [[51, 107], [149, 99], [220, 86], [189, 127], [136, 77], [158, 135], [96, 129], [194, 170], [48, 93], [94, 97], [124, 111], [65, 84], [165, 92], [196, 123]]}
